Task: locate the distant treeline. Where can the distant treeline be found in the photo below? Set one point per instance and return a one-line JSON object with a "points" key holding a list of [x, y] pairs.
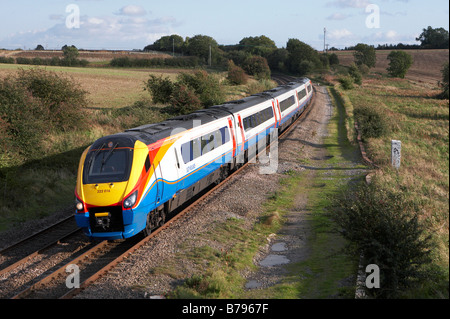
{"points": [[55, 61], [181, 62]]}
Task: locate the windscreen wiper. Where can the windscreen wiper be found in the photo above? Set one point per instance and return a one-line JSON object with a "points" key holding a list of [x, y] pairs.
{"points": [[105, 158], [95, 154]]}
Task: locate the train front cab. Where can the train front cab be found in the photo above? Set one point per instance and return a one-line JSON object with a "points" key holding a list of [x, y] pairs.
{"points": [[111, 176]]}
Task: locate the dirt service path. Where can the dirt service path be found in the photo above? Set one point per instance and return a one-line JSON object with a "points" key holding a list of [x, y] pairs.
{"points": [[306, 258]]}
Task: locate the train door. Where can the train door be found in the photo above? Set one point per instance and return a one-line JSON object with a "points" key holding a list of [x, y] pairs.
{"points": [[159, 183], [233, 134]]}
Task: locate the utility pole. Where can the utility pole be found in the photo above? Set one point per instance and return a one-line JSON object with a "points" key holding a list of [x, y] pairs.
{"points": [[210, 58], [324, 39]]}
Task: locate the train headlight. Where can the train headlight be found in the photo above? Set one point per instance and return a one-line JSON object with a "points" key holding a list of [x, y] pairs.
{"points": [[130, 200], [79, 205]]}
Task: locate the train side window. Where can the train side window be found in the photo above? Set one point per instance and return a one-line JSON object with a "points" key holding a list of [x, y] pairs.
{"points": [[186, 152], [225, 135], [218, 138], [246, 124], [196, 148]]}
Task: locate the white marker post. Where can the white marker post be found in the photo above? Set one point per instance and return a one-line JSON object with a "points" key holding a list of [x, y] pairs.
{"points": [[396, 153]]}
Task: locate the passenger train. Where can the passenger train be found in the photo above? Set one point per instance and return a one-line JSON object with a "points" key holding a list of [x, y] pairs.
{"points": [[128, 183]]}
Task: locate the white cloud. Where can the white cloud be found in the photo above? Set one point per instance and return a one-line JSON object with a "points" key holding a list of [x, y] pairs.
{"points": [[105, 32], [132, 10], [350, 3], [338, 16], [339, 34]]}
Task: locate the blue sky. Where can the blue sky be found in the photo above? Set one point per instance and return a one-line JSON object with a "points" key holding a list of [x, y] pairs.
{"points": [[119, 24]]}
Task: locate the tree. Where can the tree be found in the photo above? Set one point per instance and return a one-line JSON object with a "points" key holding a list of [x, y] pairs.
{"points": [[399, 63], [70, 54], [167, 43], [39, 47], [434, 38], [302, 57], [261, 45], [365, 54], [200, 46], [257, 66], [278, 60]]}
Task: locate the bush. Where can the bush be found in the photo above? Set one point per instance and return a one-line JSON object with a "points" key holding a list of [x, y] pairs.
{"points": [[372, 122], [236, 75], [160, 88], [188, 93], [257, 66], [36, 102], [399, 63], [4, 59], [184, 99], [384, 228], [346, 82], [205, 86], [354, 72]]}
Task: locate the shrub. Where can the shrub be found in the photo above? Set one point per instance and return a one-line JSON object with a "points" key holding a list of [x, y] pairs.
{"points": [[445, 81], [372, 122], [257, 66], [236, 75], [184, 100], [205, 86], [160, 88], [333, 59], [346, 82], [36, 102], [384, 228], [365, 54], [4, 59], [399, 63], [354, 72]]}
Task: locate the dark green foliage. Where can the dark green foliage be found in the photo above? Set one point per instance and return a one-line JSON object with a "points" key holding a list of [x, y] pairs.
{"points": [[4, 59], [36, 102], [399, 63], [385, 230], [160, 88], [278, 60], [190, 92], [257, 66], [261, 46], [333, 59], [236, 75], [168, 43], [206, 87], [372, 122], [365, 54], [184, 99], [434, 38], [354, 72], [179, 62], [346, 82], [302, 57]]}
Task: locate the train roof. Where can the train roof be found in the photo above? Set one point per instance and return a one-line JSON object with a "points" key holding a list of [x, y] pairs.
{"points": [[255, 99], [151, 133]]}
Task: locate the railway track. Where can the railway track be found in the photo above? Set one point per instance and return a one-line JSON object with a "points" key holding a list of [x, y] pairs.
{"points": [[282, 79], [93, 260]]}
